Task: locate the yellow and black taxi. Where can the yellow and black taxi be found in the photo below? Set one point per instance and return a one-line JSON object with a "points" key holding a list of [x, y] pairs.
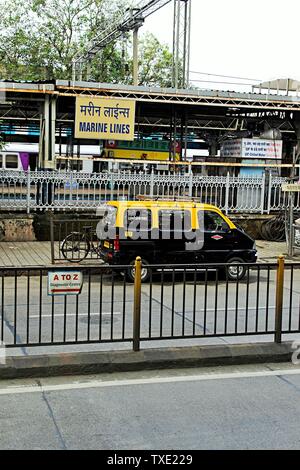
{"points": [[173, 232]]}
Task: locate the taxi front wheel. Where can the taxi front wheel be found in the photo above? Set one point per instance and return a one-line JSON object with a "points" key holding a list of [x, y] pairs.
{"points": [[145, 272], [236, 271]]}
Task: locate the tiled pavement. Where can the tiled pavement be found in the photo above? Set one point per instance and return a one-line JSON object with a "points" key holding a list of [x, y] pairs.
{"points": [[39, 253]]}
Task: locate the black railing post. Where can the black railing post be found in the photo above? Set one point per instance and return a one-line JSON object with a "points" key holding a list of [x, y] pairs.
{"points": [[279, 299], [137, 304]]}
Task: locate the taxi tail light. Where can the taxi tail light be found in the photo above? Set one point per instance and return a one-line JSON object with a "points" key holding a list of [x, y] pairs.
{"points": [[117, 243]]}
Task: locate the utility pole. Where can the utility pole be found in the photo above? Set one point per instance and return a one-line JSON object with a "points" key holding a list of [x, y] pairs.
{"points": [[135, 56], [181, 43]]}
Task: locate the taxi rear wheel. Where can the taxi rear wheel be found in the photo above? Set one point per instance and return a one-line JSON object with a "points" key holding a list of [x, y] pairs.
{"points": [[145, 272], [236, 271]]}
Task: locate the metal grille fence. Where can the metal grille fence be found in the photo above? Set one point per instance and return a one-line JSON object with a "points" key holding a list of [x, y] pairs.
{"points": [[29, 316], [77, 191], [279, 199], [206, 304], [178, 302]]}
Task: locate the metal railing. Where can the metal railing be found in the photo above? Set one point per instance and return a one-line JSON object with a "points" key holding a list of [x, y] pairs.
{"points": [[57, 190], [178, 303]]}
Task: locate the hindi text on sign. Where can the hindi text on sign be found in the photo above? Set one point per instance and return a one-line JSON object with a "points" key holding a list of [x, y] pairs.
{"points": [[104, 118]]}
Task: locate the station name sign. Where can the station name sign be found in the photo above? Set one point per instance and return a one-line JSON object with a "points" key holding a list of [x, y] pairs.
{"points": [[64, 282], [104, 118]]}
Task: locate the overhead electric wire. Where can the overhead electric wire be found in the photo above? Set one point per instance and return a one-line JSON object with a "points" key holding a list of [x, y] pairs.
{"points": [[226, 76], [226, 83]]}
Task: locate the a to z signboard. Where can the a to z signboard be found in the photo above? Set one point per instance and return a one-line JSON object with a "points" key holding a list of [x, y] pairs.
{"points": [[104, 118], [64, 282]]}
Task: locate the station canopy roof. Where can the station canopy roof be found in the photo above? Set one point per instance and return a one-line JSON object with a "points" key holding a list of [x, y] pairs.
{"points": [[280, 84]]}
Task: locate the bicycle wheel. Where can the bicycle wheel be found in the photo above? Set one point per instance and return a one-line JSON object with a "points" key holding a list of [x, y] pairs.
{"points": [[75, 247]]}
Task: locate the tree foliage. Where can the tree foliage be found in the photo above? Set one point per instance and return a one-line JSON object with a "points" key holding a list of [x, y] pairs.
{"points": [[40, 38]]}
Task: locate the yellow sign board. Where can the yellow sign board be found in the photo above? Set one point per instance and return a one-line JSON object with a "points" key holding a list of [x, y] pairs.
{"points": [[291, 187], [104, 118]]}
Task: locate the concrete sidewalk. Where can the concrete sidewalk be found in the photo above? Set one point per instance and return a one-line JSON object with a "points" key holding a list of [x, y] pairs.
{"points": [[94, 362], [39, 253]]}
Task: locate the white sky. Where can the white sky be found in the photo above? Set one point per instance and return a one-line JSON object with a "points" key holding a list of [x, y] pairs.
{"points": [[257, 39]]}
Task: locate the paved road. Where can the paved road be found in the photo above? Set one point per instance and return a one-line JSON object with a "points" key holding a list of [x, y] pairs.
{"points": [[186, 309], [246, 407]]}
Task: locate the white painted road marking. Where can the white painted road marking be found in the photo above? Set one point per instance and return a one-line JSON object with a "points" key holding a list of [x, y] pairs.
{"points": [[145, 381]]}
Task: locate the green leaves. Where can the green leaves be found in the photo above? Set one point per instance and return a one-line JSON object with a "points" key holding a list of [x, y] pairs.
{"points": [[40, 38], [155, 63]]}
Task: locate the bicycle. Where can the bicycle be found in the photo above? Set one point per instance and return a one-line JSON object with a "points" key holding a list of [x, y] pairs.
{"points": [[81, 243]]}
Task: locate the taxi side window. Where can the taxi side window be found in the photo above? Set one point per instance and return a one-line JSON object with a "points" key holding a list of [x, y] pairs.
{"points": [[140, 219], [174, 220], [213, 222]]}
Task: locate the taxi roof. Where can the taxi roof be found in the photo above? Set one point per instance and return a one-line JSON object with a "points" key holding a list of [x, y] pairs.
{"points": [[164, 203], [169, 204]]}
